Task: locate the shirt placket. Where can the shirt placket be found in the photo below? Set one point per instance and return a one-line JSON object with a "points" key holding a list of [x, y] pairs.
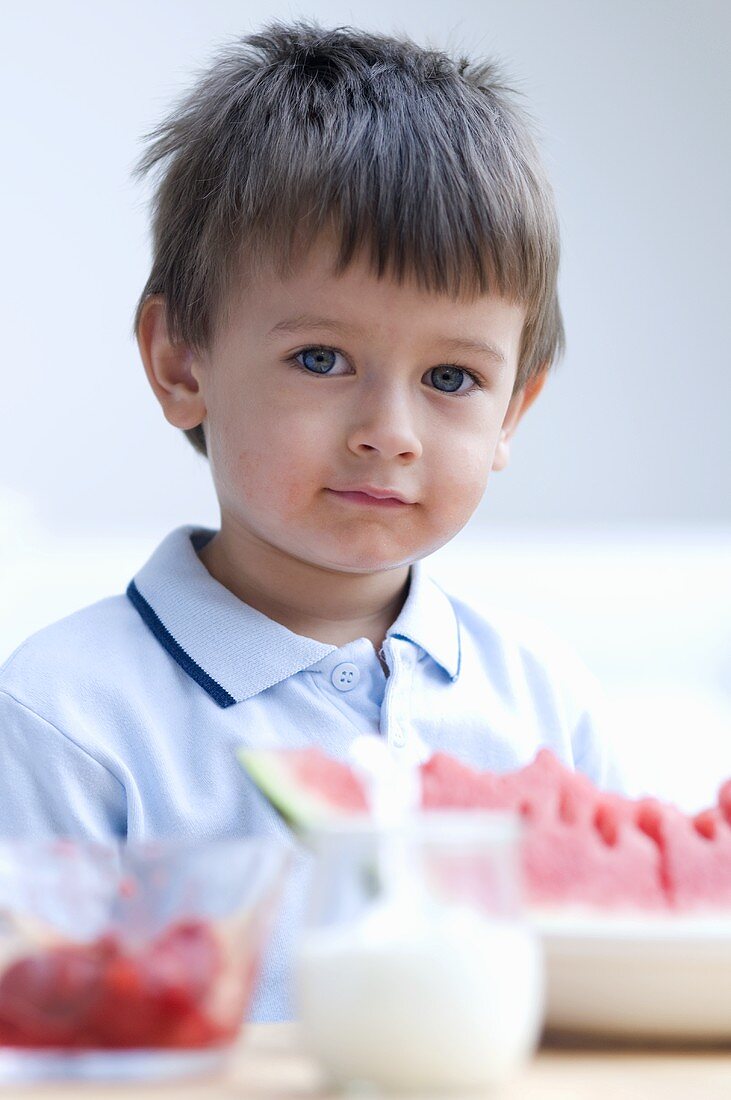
{"points": [[396, 708]]}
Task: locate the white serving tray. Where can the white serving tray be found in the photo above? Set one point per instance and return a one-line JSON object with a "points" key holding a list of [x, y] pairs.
{"points": [[638, 976]]}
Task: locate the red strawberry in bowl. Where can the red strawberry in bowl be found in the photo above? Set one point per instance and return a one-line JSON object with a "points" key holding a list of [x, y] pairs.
{"points": [[101, 995]]}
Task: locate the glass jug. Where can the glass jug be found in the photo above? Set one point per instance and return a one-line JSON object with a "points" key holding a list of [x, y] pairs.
{"points": [[416, 968]]}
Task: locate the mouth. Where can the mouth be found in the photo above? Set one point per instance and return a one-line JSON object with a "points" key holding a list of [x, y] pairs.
{"points": [[362, 498]]}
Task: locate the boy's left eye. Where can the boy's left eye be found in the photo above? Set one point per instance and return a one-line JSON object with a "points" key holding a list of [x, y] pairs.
{"points": [[447, 378], [452, 377]]}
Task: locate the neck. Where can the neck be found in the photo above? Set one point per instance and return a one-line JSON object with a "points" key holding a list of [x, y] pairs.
{"points": [[310, 600]]}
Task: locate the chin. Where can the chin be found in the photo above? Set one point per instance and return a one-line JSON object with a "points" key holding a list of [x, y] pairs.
{"points": [[363, 561]]}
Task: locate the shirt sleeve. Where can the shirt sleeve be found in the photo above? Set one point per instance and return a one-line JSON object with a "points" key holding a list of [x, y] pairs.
{"points": [[49, 785]]}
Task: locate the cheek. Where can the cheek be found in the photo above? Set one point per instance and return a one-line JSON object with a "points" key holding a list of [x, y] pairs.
{"points": [[270, 455], [239, 446], [460, 472]]}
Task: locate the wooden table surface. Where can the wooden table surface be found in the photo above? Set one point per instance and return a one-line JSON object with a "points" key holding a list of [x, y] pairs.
{"points": [[270, 1063]]}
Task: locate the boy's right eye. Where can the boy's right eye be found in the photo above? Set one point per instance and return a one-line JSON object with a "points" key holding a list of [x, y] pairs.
{"points": [[317, 360]]}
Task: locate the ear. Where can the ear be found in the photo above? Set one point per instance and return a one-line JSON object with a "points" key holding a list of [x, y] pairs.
{"points": [[170, 367], [520, 402]]}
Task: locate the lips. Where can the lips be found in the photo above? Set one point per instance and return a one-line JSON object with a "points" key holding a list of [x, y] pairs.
{"points": [[375, 493]]}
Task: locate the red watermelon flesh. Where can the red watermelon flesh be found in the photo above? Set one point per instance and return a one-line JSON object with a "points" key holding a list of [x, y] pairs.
{"points": [[579, 845], [448, 784], [724, 800], [324, 776], [579, 801], [532, 791], [599, 860], [696, 853]]}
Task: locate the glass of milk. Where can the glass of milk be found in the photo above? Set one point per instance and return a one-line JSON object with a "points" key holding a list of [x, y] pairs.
{"points": [[415, 969]]}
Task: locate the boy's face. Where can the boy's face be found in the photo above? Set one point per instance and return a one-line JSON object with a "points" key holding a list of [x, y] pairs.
{"points": [[320, 384]]}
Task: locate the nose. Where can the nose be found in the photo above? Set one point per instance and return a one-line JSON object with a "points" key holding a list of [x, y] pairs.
{"points": [[383, 422]]}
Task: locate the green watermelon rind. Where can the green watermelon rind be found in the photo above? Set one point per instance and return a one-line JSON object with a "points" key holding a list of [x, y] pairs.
{"points": [[300, 809]]}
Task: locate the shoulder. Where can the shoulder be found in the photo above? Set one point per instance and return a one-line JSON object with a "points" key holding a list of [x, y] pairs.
{"points": [[59, 774], [76, 653], [535, 673], [110, 621], [524, 644]]}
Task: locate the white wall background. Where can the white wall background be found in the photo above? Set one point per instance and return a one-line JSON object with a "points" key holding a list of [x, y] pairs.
{"points": [[632, 100], [624, 464]]}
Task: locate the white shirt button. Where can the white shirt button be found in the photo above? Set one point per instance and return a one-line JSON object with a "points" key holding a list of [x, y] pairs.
{"points": [[345, 676], [399, 737]]}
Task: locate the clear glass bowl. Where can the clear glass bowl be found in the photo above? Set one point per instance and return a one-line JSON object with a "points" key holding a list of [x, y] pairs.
{"points": [[124, 960]]}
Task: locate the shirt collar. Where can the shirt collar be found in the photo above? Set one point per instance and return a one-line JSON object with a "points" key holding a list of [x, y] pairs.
{"points": [[429, 620], [234, 651]]}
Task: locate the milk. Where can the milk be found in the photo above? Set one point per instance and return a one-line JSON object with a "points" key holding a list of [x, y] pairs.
{"points": [[450, 1002], [417, 992]]}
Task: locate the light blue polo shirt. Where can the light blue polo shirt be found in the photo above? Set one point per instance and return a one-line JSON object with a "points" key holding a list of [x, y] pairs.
{"points": [[124, 718]]}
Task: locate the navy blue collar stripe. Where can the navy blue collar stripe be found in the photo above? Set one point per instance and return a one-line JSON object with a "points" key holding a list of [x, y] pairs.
{"points": [[165, 638]]}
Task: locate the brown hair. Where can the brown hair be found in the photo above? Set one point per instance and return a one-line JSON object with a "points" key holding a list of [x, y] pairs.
{"points": [[423, 162]]}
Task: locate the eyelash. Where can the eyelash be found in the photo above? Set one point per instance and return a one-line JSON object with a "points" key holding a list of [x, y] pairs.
{"points": [[294, 361]]}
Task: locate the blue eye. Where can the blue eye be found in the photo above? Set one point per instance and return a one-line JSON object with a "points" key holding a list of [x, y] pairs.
{"points": [[318, 360], [451, 377]]}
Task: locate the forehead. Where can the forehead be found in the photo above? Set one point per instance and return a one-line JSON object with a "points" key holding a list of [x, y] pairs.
{"points": [[311, 291]]}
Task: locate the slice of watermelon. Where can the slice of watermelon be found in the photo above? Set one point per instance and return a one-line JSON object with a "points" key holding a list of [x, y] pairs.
{"points": [[305, 786], [580, 845]]}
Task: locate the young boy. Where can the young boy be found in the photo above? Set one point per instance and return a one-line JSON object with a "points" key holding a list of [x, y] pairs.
{"points": [[352, 304]]}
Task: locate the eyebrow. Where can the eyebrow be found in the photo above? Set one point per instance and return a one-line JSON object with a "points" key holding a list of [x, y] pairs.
{"points": [[455, 343]]}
